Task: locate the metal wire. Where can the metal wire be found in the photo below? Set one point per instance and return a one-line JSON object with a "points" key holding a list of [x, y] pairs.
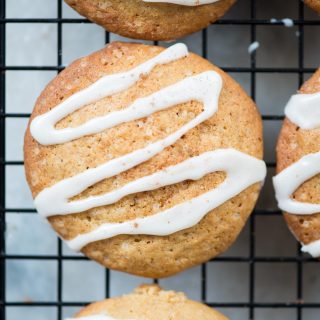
{"points": [[2, 167], [251, 260]]}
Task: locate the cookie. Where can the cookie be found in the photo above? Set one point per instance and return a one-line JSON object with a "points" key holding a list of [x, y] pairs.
{"points": [[146, 159], [314, 4], [152, 20], [298, 157], [149, 302]]}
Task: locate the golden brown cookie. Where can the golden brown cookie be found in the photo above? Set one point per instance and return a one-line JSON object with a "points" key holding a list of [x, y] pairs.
{"points": [[314, 4], [150, 21], [149, 302], [237, 124], [293, 144]]}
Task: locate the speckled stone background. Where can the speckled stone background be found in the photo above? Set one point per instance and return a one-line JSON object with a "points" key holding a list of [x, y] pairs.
{"points": [[36, 280]]}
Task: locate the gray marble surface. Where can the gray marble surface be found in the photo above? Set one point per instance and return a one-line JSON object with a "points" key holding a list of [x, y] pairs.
{"points": [[30, 280]]}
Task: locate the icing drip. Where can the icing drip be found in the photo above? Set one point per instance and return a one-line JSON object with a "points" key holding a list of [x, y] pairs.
{"points": [[42, 127], [237, 166], [254, 46], [288, 181], [289, 23], [242, 170], [312, 248], [304, 110], [185, 2]]}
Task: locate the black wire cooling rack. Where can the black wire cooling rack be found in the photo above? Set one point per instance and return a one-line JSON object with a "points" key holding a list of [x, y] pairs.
{"points": [[251, 260]]}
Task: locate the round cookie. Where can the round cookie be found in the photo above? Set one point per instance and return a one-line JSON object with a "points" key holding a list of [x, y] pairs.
{"points": [[149, 302], [150, 20], [314, 4], [293, 144], [236, 124]]}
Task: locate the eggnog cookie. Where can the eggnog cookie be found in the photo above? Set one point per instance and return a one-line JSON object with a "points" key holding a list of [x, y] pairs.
{"points": [[314, 4], [152, 19], [298, 165], [146, 159], [149, 302]]}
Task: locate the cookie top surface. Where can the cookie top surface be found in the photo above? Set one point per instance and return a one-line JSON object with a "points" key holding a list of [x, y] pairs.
{"points": [[294, 143], [150, 20], [236, 124], [149, 302], [314, 4]]}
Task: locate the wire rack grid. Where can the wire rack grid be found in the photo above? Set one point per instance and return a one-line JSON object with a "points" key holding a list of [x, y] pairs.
{"points": [[251, 304]]}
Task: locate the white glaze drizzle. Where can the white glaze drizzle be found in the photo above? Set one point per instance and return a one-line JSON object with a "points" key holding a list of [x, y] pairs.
{"points": [[42, 127], [242, 170], [185, 2], [289, 180], [193, 88], [304, 110]]}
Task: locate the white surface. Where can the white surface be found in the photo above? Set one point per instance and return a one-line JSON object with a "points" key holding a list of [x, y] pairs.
{"points": [[35, 44]]}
